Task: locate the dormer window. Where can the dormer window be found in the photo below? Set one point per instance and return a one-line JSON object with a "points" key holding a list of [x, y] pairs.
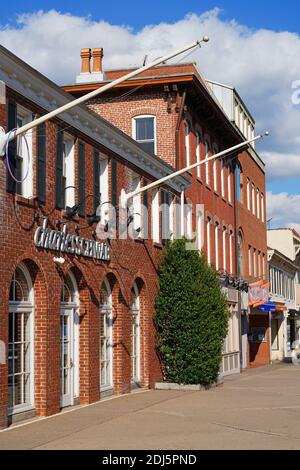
{"points": [[144, 132]]}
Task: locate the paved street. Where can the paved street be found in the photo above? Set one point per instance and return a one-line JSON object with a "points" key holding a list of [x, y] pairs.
{"points": [[259, 409]]}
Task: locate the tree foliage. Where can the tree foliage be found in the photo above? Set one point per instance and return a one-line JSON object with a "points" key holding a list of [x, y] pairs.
{"points": [[191, 317]]}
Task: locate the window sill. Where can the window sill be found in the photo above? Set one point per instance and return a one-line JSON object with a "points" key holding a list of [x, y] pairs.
{"points": [[216, 193], [208, 186], [199, 180], [158, 245], [224, 199], [24, 201]]}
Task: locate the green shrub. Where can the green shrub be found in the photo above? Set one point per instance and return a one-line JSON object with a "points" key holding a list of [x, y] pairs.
{"points": [[191, 317]]}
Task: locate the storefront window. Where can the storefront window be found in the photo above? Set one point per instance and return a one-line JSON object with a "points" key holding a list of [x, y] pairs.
{"points": [[258, 335], [135, 334], [105, 336]]}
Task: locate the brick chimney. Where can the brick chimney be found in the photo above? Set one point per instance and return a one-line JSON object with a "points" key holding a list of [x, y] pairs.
{"points": [[86, 75]]}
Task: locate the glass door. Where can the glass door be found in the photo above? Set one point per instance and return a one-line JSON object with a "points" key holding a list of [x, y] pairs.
{"points": [[67, 356]]}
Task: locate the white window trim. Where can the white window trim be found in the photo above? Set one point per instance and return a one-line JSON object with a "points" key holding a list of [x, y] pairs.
{"points": [[217, 265], [231, 252], [224, 248], [208, 240], [142, 116], [107, 309], [222, 178], [207, 148], [198, 151], [26, 307], [27, 185], [253, 199], [69, 170], [187, 131], [258, 203], [248, 194], [262, 207], [215, 168], [137, 378], [155, 216], [229, 182]]}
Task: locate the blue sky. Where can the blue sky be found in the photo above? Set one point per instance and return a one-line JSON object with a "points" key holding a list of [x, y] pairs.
{"points": [[276, 15], [255, 46]]}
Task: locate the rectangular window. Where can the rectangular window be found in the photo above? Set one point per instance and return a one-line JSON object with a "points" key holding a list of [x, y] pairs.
{"points": [[248, 195], [258, 203], [68, 171], [198, 153], [224, 249], [253, 199], [215, 170], [24, 155], [187, 144], [199, 229], [254, 263], [274, 334], [207, 163], [258, 335], [249, 261], [208, 223], [217, 247], [155, 216], [229, 183], [136, 208], [262, 208], [231, 252], [144, 132], [222, 178]]}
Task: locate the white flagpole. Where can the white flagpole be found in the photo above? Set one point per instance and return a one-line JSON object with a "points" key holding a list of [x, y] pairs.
{"points": [[125, 197], [12, 135]]}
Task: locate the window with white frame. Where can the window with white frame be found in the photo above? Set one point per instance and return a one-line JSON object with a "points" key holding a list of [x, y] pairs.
{"points": [[253, 199], [187, 143], [207, 163], [208, 244], [144, 132], [249, 261], [240, 254], [262, 208], [103, 208], [229, 182], [135, 335], [21, 343], [223, 177], [215, 170], [248, 195], [24, 155], [189, 220], [254, 263], [155, 216], [106, 337], [259, 263], [217, 264], [68, 170], [198, 153], [231, 251], [258, 203], [199, 229], [165, 215], [224, 239], [135, 209]]}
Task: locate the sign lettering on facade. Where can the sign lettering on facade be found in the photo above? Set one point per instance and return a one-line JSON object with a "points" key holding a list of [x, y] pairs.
{"points": [[72, 244]]}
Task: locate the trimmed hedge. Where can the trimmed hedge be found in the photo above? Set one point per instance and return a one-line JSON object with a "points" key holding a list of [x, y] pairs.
{"points": [[191, 317]]}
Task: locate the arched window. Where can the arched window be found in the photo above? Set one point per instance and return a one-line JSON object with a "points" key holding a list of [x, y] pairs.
{"points": [[21, 343], [106, 337], [208, 241], [217, 264], [135, 335], [68, 291]]}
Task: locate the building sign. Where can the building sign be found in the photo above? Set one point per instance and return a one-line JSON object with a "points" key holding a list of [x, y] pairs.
{"points": [[258, 293], [61, 241]]}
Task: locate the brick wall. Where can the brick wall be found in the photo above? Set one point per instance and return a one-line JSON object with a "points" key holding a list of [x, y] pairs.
{"points": [[17, 231]]}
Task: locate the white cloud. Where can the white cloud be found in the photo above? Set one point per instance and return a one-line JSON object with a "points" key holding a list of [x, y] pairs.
{"points": [[281, 166], [284, 209], [261, 64]]}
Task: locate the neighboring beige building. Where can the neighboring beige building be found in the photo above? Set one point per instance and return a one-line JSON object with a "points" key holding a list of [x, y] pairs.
{"points": [[284, 275]]}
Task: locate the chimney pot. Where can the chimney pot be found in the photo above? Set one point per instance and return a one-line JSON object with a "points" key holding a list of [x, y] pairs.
{"points": [[86, 55], [97, 59]]}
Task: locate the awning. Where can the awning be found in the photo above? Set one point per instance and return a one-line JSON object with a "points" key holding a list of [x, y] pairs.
{"points": [[268, 307]]}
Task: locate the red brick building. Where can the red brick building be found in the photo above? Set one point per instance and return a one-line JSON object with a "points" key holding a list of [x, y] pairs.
{"points": [[76, 312], [177, 115]]}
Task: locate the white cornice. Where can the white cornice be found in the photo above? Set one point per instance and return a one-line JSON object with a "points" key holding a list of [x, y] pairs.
{"points": [[29, 83]]}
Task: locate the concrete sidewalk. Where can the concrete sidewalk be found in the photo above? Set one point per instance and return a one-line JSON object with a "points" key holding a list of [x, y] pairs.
{"points": [[259, 409]]}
